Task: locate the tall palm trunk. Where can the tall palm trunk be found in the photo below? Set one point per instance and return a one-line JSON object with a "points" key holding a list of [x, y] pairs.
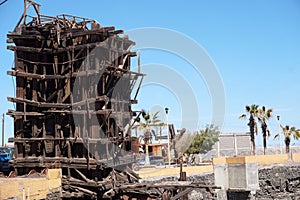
{"points": [[146, 141], [265, 143], [251, 125], [287, 144], [264, 130], [253, 146], [147, 161]]}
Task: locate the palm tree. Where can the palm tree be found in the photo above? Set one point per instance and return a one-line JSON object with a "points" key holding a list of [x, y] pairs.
{"points": [[263, 116], [252, 111], [147, 122], [288, 131]]}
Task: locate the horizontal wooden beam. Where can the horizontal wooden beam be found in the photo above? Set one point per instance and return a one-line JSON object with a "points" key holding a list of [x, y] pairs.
{"points": [[17, 113], [39, 104]]}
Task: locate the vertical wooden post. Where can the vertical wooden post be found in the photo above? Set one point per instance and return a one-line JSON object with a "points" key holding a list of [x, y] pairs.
{"points": [[183, 178]]}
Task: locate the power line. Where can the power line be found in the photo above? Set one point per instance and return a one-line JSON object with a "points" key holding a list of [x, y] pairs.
{"points": [[3, 2]]}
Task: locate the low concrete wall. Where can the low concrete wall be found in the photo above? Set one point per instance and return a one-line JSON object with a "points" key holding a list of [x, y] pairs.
{"points": [[191, 170], [268, 159], [31, 188], [157, 172], [259, 159]]}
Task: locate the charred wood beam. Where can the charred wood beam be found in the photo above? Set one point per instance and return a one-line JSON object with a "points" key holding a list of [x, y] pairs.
{"points": [[16, 113], [61, 105], [78, 163], [75, 74], [168, 184], [181, 194], [74, 140], [71, 33], [83, 176], [100, 185], [38, 104], [63, 50], [85, 191], [81, 112]]}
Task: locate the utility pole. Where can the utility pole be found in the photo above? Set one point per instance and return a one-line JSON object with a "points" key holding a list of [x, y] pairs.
{"points": [[3, 129], [169, 153]]}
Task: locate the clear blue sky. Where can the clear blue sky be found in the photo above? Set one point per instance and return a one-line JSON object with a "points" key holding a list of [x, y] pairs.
{"points": [[255, 46]]}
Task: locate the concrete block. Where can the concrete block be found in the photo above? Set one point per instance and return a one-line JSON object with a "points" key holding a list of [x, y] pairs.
{"points": [[221, 175], [237, 176], [243, 176]]}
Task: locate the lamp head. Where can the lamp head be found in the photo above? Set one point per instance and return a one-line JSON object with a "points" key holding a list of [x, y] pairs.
{"points": [[167, 110]]}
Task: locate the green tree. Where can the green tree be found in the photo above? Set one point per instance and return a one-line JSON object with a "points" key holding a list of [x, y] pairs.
{"points": [[252, 111], [264, 115], [204, 140], [288, 131]]}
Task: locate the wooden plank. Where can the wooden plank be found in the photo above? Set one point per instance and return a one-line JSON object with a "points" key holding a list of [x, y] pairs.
{"points": [[39, 104], [182, 194], [16, 113]]}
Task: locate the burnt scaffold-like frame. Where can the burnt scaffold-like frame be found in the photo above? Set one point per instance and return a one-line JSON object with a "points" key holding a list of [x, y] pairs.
{"points": [[73, 95]]}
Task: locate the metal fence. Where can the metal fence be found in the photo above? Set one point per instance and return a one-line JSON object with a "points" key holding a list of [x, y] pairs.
{"points": [[239, 144]]}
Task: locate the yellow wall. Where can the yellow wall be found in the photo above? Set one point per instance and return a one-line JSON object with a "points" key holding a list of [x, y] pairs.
{"points": [[268, 159], [296, 157], [259, 159], [156, 172], [219, 161], [30, 188]]}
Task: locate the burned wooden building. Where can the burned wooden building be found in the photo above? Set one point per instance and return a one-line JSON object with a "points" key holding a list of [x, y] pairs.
{"points": [[73, 95]]}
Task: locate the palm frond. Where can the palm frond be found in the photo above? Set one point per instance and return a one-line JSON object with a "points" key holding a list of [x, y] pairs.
{"points": [[248, 108], [277, 135], [259, 119], [268, 133], [155, 116], [296, 134], [143, 111], [281, 126], [161, 124], [269, 113], [243, 116], [138, 119]]}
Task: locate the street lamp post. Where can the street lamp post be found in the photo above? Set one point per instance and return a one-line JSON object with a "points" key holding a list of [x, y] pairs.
{"points": [[280, 144], [3, 129], [169, 153]]}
